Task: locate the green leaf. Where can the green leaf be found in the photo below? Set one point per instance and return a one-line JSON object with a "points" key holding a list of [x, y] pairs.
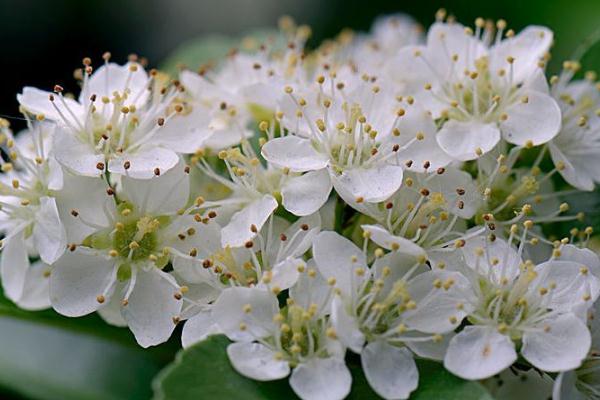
{"points": [[44, 355], [203, 371]]}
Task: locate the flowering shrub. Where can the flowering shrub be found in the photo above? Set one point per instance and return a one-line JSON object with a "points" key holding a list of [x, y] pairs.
{"points": [[396, 195]]}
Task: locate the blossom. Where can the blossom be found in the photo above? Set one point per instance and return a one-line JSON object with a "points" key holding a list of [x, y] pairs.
{"points": [[519, 302], [269, 342], [119, 264], [575, 149], [30, 220], [388, 311], [123, 122], [483, 88]]}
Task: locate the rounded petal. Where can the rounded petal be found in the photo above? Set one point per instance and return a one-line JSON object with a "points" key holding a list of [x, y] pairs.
{"points": [[112, 77], [560, 345], [499, 250], [48, 232], [38, 102], [305, 194], [144, 161], [536, 121], [439, 310], [464, 140], [257, 361], [75, 155], [231, 313], [431, 349], [36, 292], [321, 379], [151, 308], [238, 231], [14, 265], [576, 171], [198, 328], [479, 352], [391, 371], [285, 273], [77, 279], [371, 184], [346, 326], [294, 153], [111, 310], [383, 238], [163, 194], [337, 257], [527, 48]]}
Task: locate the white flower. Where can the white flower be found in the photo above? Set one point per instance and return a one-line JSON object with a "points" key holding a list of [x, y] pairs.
{"points": [[118, 265], [348, 131], [520, 303], [123, 121], [426, 215], [30, 219], [576, 149], [269, 342], [256, 191], [483, 88], [584, 382], [388, 311]]}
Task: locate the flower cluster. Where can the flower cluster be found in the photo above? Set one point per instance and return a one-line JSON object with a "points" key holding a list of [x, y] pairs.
{"points": [[396, 194]]}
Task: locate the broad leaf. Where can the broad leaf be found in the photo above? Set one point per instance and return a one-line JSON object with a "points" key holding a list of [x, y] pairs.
{"points": [[203, 371]]}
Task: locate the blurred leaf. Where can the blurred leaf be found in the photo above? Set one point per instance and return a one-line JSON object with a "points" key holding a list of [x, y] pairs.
{"points": [[212, 48], [204, 371], [47, 356]]}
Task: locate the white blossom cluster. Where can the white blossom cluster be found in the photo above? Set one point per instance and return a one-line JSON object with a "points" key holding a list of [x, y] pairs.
{"points": [[394, 194]]}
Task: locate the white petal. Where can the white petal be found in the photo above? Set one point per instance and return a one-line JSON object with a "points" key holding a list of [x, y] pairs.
{"points": [[38, 102], [527, 48], [561, 345], [14, 265], [151, 308], [198, 328], [464, 205], [144, 161], [321, 379], [305, 194], [112, 77], [383, 238], [575, 170], [48, 232], [111, 309], [285, 273], [373, 184], [346, 326], [337, 257], [238, 231], [298, 240], [256, 361], [538, 120], [77, 156], [391, 371], [433, 350], [463, 140], [507, 257], [77, 279], [36, 292], [437, 309], [229, 313], [184, 133], [294, 153], [445, 40], [163, 194], [311, 289], [479, 352]]}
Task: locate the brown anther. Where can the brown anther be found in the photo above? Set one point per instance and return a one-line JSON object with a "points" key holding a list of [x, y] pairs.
{"points": [[389, 205], [126, 165], [212, 214], [110, 191], [249, 244], [253, 228], [160, 122], [460, 191], [74, 213], [395, 148], [440, 170], [304, 227], [157, 171], [58, 89], [100, 166], [424, 192]]}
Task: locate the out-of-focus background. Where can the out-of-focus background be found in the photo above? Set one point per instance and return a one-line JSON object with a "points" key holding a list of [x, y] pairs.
{"points": [[42, 42]]}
